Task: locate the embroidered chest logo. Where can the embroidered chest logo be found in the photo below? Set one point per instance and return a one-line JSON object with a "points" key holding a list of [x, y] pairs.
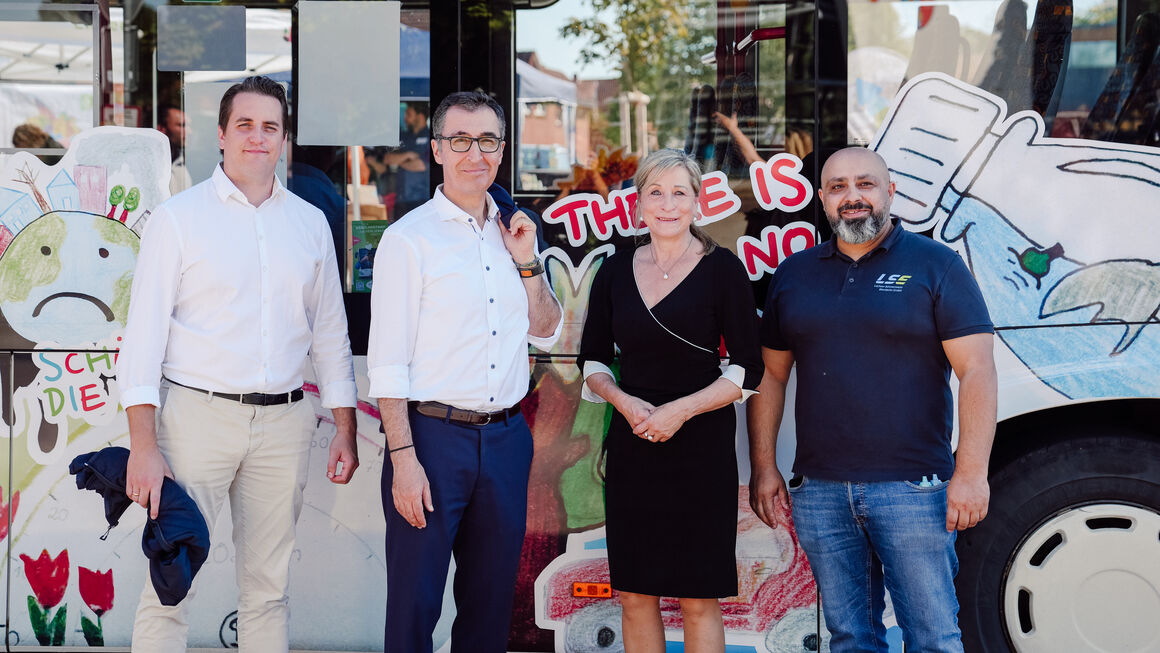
{"points": [[891, 282]]}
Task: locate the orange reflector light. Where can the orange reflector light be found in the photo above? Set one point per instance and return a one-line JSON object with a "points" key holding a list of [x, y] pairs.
{"points": [[592, 590]]}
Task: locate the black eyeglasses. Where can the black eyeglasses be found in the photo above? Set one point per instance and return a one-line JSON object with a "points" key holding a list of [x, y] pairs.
{"points": [[487, 144]]}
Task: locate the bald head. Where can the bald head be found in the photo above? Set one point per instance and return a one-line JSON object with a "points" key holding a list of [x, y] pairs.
{"points": [[858, 161], [856, 193]]}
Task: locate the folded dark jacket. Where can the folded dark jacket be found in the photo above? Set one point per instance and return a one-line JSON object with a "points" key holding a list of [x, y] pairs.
{"points": [[176, 543]]}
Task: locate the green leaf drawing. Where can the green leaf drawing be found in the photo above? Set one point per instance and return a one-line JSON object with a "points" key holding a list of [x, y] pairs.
{"points": [[37, 617], [57, 626], [93, 634]]}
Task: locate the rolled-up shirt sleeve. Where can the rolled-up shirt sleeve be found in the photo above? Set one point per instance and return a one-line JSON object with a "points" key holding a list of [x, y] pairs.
{"points": [[329, 340], [151, 300], [394, 317]]}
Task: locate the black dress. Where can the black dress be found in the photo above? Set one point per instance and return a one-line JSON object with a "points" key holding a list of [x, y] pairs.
{"points": [[671, 507]]}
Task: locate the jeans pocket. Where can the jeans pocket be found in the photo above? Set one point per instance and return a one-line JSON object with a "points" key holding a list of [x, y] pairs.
{"points": [[931, 488], [795, 484]]}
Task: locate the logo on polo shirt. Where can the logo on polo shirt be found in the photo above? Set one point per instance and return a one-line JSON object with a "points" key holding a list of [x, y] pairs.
{"points": [[891, 282]]}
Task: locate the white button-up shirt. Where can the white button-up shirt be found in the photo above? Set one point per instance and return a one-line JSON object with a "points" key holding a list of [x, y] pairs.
{"points": [[449, 313], [231, 298]]}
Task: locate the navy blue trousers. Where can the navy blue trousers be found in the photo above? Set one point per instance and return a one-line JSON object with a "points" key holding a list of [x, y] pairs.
{"points": [[479, 487]]}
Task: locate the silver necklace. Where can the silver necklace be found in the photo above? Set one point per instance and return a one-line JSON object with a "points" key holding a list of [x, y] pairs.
{"points": [[653, 251]]}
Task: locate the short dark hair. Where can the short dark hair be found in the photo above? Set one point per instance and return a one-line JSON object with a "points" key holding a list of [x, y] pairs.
{"points": [[163, 114], [470, 101], [261, 85]]}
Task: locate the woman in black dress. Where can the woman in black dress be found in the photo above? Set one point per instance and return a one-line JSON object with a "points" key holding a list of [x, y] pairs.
{"points": [[671, 475]]}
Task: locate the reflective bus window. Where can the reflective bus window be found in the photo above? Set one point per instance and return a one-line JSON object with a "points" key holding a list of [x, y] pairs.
{"points": [[589, 83], [598, 90], [47, 81], [1055, 57]]}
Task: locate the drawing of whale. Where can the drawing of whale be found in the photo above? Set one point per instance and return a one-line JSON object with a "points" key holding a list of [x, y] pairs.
{"points": [[1086, 330]]}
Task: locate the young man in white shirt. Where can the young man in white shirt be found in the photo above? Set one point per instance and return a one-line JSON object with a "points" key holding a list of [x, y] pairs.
{"points": [[235, 285], [460, 297]]}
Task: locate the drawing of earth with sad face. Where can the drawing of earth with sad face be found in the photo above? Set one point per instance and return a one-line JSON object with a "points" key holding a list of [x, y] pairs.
{"points": [[65, 278]]}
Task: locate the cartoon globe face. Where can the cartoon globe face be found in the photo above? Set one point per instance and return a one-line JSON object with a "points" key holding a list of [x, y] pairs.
{"points": [[65, 278]]}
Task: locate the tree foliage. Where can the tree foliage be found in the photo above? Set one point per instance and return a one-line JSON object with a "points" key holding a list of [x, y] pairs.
{"points": [[656, 45]]}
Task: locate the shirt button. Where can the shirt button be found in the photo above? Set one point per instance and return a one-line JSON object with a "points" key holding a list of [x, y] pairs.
{"points": [[493, 333], [491, 398], [493, 366], [487, 267], [490, 300], [851, 279]]}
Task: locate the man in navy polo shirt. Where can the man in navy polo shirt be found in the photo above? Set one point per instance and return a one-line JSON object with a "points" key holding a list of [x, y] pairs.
{"points": [[876, 318]]}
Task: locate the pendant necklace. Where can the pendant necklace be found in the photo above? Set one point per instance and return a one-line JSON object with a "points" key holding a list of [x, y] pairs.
{"points": [[653, 251]]}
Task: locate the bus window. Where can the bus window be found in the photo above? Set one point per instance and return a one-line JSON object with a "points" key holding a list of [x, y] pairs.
{"points": [[596, 91], [49, 94], [1081, 66]]}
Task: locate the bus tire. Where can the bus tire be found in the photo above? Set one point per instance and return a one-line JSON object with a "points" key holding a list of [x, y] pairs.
{"points": [[1066, 557]]}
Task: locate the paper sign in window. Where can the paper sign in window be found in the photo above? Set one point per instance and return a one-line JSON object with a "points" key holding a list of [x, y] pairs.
{"points": [[348, 69]]}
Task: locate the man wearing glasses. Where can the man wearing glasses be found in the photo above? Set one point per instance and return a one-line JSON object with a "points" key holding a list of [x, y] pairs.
{"points": [[459, 297]]}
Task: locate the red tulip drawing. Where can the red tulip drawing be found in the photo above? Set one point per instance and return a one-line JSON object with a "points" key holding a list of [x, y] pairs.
{"points": [[97, 593], [7, 512], [48, 577]]}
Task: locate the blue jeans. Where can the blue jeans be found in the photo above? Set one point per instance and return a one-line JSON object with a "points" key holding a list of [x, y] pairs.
{"points": [[860, 537]]}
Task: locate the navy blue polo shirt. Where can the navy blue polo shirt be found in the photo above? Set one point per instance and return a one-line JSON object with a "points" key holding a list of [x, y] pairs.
{"points": [[873, 395]]}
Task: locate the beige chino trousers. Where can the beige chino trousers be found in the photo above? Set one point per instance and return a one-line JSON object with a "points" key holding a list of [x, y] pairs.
{"points": [[256, 457]]}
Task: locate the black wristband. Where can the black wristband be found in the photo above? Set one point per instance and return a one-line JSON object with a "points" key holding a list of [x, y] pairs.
{"points": [[405, 446], [529, 270]]}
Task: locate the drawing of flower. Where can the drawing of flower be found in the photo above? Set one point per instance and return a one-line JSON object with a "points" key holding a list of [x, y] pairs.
{"points": [[97, 593], [48, 577], [96, 589], [7, 512]]}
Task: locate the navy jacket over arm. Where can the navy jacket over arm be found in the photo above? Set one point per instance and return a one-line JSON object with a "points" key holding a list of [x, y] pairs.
{"points": [[176, 543]]}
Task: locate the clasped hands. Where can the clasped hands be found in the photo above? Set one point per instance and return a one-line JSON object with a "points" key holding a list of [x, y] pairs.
{"points": [[652, 423]]}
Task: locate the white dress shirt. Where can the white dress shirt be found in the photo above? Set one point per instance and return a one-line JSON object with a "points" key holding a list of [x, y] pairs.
{"points": [[231, 298], [449, 313]]}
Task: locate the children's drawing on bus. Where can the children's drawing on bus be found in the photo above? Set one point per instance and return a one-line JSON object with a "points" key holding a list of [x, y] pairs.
{"points": [[774, 609], [1019, 205], [69, 236]]}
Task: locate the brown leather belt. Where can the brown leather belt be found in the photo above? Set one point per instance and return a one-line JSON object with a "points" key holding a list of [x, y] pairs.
{"points": [[461, 416]]}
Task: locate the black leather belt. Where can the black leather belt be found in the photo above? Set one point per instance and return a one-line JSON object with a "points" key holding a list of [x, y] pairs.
{"points": [[461, 416], [250, 398]]}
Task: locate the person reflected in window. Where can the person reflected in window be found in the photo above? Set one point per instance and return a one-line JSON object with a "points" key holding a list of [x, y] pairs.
{"points": [[671, 460], [308, 180], [32, 137], [171, 122], [409, 163]]}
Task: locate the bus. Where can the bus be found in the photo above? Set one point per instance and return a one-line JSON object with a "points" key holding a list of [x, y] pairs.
{"points": [[1023, 134]]}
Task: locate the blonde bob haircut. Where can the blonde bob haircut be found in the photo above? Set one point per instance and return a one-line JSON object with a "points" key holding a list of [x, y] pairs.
{"points": [[657, 164]]}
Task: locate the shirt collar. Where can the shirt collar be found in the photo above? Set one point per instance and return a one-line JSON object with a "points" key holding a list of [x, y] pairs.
{"points": [[447, 210], [224, 188], [830, 247]]}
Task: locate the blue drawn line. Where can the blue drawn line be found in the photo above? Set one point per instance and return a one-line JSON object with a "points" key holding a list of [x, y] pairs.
{"points": [[917, 153], [912, 199], [935, 134], [905, 174], [952, 103]]}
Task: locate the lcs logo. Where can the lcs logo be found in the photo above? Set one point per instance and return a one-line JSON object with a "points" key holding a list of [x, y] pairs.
{"points": [[891, 282]]}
